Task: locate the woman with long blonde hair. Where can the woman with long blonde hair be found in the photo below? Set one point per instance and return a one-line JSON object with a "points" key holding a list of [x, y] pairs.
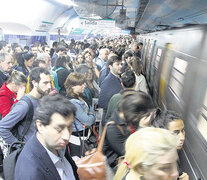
{"points": [[150, 155]]}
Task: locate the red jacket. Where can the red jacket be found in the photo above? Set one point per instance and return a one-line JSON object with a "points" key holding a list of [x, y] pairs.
{"points": [[7, 99]]}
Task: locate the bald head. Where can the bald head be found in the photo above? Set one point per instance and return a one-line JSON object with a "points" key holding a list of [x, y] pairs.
{"points": [[104, 53], [135, 47], [5, 62]]}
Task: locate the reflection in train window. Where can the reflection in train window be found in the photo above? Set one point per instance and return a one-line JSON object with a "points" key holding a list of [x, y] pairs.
{"points": [[150, 50], [157, 59], [202, 120], [180, 65], [177, 76]]}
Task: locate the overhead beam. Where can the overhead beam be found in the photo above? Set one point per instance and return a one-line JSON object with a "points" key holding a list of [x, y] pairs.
{"points": [[142, 6]]}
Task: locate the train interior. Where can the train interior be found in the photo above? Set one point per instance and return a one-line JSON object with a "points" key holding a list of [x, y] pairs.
{"points": [[174, 55]]}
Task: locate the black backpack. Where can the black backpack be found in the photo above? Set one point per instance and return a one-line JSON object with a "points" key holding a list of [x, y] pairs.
{"points": [[15, 149], [1, 153]]}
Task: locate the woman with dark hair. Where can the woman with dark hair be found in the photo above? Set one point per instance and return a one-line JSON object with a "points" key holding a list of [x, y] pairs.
{"points": [[126, 56], [135, 107], [91, 83], [171, 121], [62, 72], [85, 115], [25, 61], [78, 60]]}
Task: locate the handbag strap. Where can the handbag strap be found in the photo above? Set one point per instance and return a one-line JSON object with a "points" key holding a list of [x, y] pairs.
{"points": [[101, 142]]}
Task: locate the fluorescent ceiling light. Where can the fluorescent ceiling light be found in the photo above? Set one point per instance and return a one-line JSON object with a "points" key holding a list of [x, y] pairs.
{"points": [[67, 2], [93, 16]]}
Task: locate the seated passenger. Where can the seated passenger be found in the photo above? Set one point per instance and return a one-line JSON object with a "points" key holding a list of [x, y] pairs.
{"points": [[132, 108], [85, 115], [11, 91], [150, 155], [171, 121], [45, 156]]}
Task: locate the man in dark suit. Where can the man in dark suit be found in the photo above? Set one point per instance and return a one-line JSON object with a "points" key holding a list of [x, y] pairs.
{"points": [[44, 156], [111, 84], [59, 52]]}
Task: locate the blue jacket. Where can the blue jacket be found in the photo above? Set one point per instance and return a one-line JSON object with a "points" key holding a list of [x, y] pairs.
{"points": [[82, 115], [17, 113], [110, 86], [23, 69], [103, 73], [34, 163], [53, 59]]}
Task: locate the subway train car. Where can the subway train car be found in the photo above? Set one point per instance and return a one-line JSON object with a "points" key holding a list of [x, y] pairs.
{"points": [[175, 65]]}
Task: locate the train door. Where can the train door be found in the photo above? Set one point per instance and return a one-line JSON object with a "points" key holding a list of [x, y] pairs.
{"points": [[193, 156], [149, 59], [146, 47], [164, 74], [151, 67], [155, 73], [175, 86]]}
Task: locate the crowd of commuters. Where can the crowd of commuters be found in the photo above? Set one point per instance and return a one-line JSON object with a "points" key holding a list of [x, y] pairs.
{"points": [[56, 86]]}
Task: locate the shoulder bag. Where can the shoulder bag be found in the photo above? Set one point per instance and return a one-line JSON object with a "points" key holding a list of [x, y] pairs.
{"points": [[94, 166]]}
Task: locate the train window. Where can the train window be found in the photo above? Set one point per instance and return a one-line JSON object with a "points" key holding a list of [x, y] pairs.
{"points": [[202, 120], [177, 76], [180, 65], [157, 59]]}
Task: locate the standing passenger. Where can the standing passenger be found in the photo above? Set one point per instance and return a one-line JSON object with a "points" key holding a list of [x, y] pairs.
{"points": [[12, 91], [85, 116], [25, 61], [150, 155], [132, 108], [62, 72], [111, 84], [128, 82], [5, 67], [102, 58], [171, 121], [40, 84], [44, 155], [59, 52]]}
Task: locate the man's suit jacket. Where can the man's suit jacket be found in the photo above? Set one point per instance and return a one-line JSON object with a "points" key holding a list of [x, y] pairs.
{"points": [[53, 59], [34, 163], [110, 86]]}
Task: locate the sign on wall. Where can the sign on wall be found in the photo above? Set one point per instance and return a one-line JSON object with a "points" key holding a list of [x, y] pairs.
{"points": [[96, 24]]}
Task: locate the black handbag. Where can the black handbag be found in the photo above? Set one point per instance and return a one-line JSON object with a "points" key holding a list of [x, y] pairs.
{"points": [[86, 144]]}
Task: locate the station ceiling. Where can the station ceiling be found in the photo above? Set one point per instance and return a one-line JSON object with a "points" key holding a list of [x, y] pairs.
{"points": [[140, 16]]}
